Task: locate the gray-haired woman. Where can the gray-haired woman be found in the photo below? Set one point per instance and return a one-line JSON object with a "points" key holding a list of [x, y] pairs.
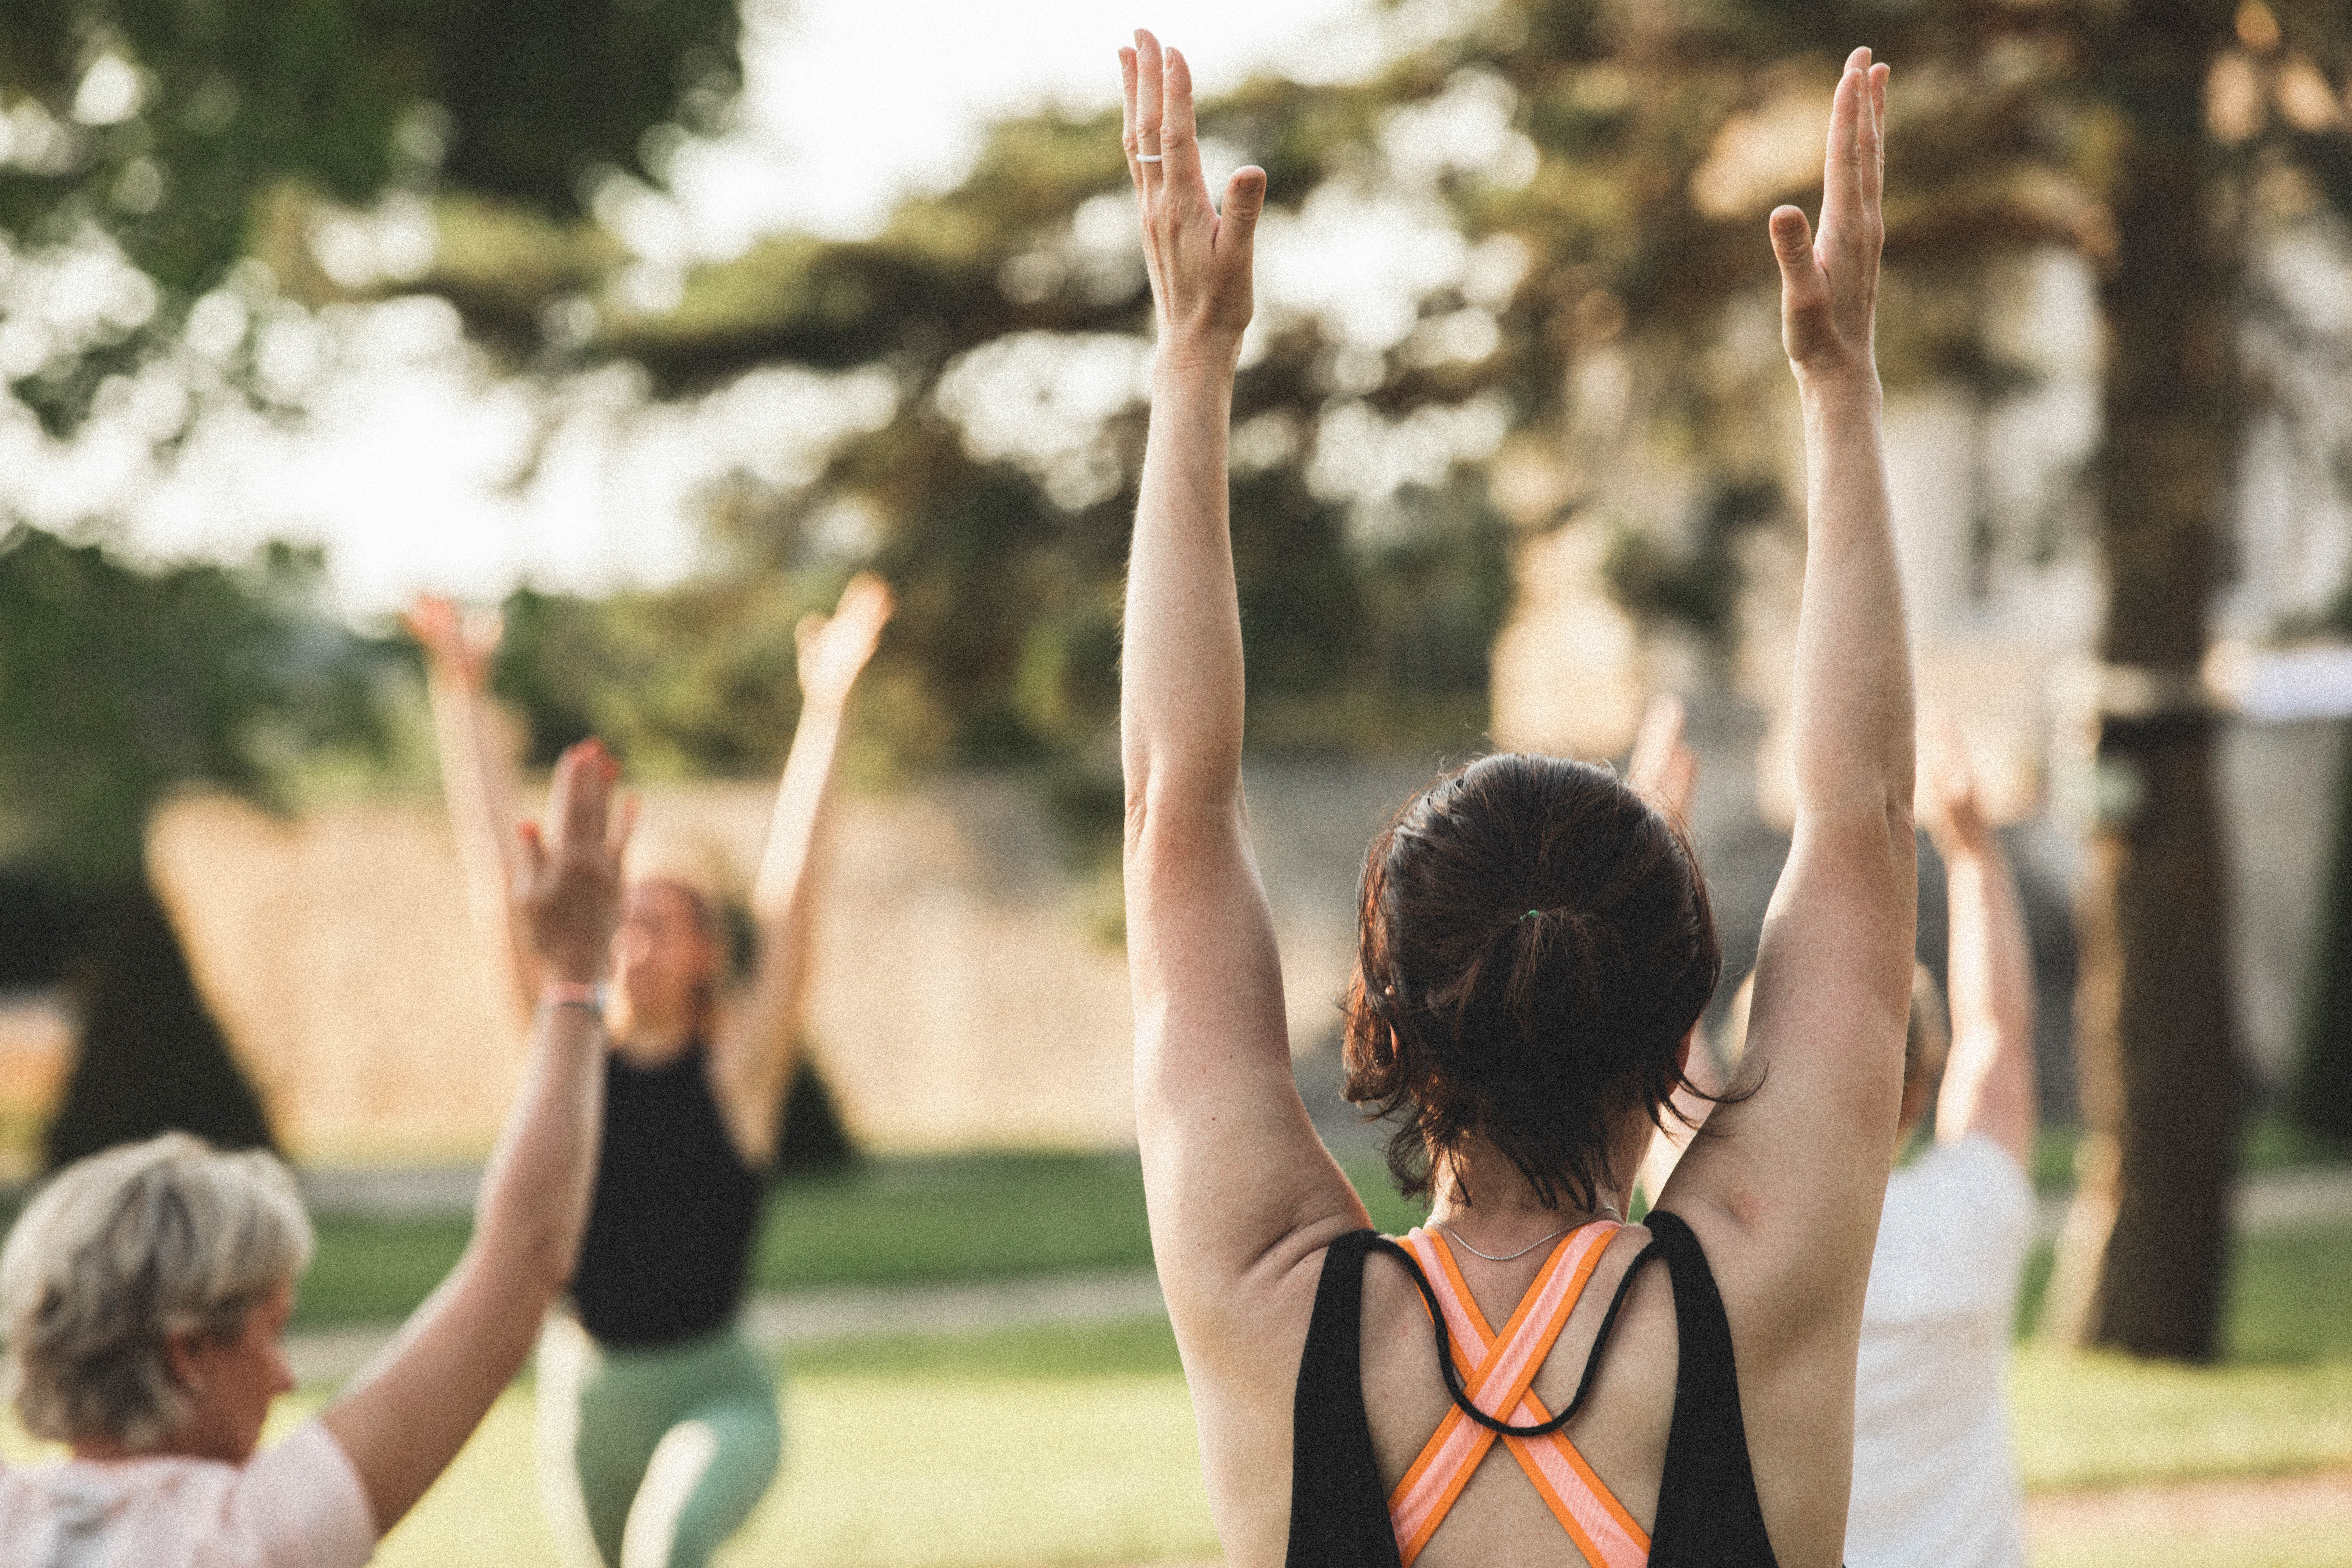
{"points": [[145, 1291]]}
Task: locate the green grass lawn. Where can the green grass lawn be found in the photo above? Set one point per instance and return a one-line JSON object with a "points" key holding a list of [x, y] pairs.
{"points": [[924, 1221], [889, 1222], [1076, 1445]]}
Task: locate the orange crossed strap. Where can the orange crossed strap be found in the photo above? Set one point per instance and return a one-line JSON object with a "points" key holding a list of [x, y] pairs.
{"points": [[1498, 1381]]}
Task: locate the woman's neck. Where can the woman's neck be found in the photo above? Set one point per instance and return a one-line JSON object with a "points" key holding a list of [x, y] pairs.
{"points": [[649, 1042], [1482, 1196]]}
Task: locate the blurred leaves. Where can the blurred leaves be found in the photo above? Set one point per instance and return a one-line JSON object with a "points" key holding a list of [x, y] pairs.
{"points": [[119, 682], [165, 129]]}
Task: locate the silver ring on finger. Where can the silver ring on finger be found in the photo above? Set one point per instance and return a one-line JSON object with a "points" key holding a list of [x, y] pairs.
{"points": [[1147, 157]]}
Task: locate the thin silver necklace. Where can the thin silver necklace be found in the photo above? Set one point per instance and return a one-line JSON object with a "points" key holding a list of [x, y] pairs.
{"points": [[1609, 1209]]}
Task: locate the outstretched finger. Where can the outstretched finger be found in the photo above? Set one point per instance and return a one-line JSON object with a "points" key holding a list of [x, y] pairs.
{"points": [[1179, 141], [1148, 110], [623, 823], [585, 782], [530, 860], [1841, 176], [1876, 176], [1126, 113]]}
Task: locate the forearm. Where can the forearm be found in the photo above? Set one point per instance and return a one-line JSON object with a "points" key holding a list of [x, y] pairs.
{"points": [[803, 796], [406, 1417], [756, 1051], [1181, 694], [533, 1203], [1989, 1080], [1852, 715], [477, 782]]}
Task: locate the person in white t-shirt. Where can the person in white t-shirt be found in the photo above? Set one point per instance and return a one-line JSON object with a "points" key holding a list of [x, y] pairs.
{"points": [[145, 1289], [1934, 1480]]}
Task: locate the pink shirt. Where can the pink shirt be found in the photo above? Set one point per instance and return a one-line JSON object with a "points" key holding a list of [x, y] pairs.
{"points": [[297, 1504]]}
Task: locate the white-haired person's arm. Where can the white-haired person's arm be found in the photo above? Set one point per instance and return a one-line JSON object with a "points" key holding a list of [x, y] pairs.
{"points": [[406, 1416], [754, 1055], [1989, 1075], [1784, 1187], [479, 786]]}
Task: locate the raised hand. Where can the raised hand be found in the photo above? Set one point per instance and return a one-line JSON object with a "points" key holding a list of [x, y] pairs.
{"points": [[833, 648], [1663, 767], [459, 645], [1945, 802], [1199, 259], [568, 876], [1829, 285]]}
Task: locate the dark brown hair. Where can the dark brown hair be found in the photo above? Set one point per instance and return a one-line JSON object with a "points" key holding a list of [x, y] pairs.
{"points": [[1536, 942]]}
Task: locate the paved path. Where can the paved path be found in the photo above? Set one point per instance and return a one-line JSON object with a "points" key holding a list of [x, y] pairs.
{"points": [[2219, 1510], [2276, 1197], [776, 1321]]}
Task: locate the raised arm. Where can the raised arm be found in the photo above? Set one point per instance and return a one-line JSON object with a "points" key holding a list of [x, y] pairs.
{"points": [[1665, 770], [1988, 1076], [407, 1415], [1241, 1191], [1797, 1168], [755, 1052], [477, 786]]}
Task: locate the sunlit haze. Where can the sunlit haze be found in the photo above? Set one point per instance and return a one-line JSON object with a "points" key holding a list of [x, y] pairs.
{"points": [[417, 468]]}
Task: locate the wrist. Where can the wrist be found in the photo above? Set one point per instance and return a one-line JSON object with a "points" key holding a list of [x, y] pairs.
{"points": [[1197, 356], [587, 995], [1843, 384]]}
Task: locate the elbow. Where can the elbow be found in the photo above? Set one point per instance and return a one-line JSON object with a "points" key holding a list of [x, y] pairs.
{"points": [[1860, 811], [1168, 819]]}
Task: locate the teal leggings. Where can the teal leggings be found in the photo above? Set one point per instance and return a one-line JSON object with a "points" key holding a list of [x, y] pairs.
{"points": [[670, 1448]]}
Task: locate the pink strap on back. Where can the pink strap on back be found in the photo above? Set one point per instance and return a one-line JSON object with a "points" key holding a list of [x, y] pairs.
{"points": [[1497, 1371]]}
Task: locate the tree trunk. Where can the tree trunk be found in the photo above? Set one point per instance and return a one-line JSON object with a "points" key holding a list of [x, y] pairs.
{"points": [[2323, 1089], [2142, 1264]]}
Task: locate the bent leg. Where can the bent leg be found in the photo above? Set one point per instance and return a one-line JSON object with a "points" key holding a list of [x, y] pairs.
{"points": [[708, 1473]]}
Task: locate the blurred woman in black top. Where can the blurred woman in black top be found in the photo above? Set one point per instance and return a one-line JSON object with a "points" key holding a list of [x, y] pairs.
{"points": [[658, 1423]]}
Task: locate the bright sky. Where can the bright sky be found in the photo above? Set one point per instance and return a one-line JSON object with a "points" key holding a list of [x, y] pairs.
{"points": [[408, 469]]}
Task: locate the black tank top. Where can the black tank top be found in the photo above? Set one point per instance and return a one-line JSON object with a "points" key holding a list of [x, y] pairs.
{"points": [[669, 1228], [1708, 1511]]}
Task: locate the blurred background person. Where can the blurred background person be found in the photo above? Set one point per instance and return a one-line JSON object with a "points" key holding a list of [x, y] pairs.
{"points": [[1934, 1478], [658, 1430], [147, 1290], [1536, 947]]}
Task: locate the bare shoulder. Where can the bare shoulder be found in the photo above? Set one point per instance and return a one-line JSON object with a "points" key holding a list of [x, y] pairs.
{"points": [[1242, 1357], [1793, 1359]]}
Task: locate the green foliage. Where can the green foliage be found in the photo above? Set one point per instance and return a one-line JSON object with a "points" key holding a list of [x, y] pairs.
{"points": [[118, 682], [165, 127], [1698, 591]]}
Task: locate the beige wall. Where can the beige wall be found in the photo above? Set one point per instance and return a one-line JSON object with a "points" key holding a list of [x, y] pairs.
{"points": [[964, 992]]}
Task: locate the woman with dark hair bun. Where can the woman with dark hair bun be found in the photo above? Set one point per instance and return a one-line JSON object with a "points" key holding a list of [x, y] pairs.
{"points": [[1510, 1383]]}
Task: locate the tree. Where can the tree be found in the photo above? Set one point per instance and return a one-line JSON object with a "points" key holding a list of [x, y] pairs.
{"points": [[172, 137], [1643, 143], [116, 684]]}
